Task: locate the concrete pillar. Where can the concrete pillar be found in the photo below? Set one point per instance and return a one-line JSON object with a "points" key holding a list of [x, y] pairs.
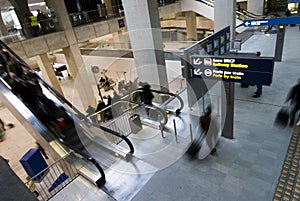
{"points": [[191, 25], [3, 28], [21, 8], [48, 72], [143, 24], [73, 56], [109, 8], [83, 81], [224, 15], [62, 17], [256, 7]]}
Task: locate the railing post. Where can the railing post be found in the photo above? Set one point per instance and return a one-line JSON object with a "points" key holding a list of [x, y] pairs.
{"points": [[203, 104], [161, 130], [175, 130], [191, 133], [218, 106]]}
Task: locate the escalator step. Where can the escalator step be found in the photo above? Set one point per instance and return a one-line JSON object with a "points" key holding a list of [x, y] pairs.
{"points": [[288, 192], [291, 178], [282, 180], [286, 166], [277, 194], [279, 190], [289, 187], [297, 190], [297, 196]]}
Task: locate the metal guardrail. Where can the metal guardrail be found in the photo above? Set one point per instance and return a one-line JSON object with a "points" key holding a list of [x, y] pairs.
{"points": [[51, 180], [121, 111]]}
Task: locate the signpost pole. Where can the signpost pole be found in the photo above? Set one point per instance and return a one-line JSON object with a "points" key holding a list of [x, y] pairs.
{"points": [[279, 42], [227, 109]]}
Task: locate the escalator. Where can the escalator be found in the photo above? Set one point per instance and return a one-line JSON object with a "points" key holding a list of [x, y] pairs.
{"points": [[50, 116], [169, 102], [206, 9], [155, 116]]}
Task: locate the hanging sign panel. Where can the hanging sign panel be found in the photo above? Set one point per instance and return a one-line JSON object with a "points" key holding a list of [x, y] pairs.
{"points": [[230, 69], [272, 21]]}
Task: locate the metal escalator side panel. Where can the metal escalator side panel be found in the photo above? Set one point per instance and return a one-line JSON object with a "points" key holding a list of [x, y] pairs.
{"points": [[25, 116]]}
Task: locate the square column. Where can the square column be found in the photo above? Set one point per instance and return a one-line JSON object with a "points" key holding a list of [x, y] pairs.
{"points": [[191, 25], [256, 7], [143, 24], [48, 72], [83, 93], [224, 15]]}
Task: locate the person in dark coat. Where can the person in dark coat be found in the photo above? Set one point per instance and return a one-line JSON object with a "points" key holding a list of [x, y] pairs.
{"points": [[101, 105], [147, 96], [14, 69], [4, 58], [205, 120], [108, 112], [294, 98], [204, 123], [258, 91]]}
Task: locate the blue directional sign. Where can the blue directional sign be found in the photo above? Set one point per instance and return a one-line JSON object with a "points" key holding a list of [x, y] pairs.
{"points": [[272, 21]]}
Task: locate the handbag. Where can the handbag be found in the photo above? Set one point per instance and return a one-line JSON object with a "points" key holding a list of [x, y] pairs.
{"points": [[282, 117]]}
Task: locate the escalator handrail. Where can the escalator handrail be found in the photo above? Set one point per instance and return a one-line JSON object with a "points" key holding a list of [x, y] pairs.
{"points": [[159, 92], [22, 62], [131, 147], [155, 108], [168, 93], [164, 115]]}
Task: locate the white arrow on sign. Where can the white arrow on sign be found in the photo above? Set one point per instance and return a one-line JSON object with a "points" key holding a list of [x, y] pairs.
{"points": [[197, 71], [247, 23], [197, 61]]}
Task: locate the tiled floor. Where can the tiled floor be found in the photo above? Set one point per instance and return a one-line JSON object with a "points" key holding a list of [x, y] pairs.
{"points": [[16, 142], [245, 168]]}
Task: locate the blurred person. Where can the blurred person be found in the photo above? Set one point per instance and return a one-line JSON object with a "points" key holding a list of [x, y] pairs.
{"points": [[294, 98], [258, 91]]}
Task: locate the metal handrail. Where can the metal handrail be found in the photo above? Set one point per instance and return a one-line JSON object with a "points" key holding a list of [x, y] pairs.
{"points": [[124, 100], [55, 169], [161, 92]]}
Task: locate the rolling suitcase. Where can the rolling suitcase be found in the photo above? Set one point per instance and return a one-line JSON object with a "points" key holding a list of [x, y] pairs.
{"points": [[282, 117], [195, 147]]}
